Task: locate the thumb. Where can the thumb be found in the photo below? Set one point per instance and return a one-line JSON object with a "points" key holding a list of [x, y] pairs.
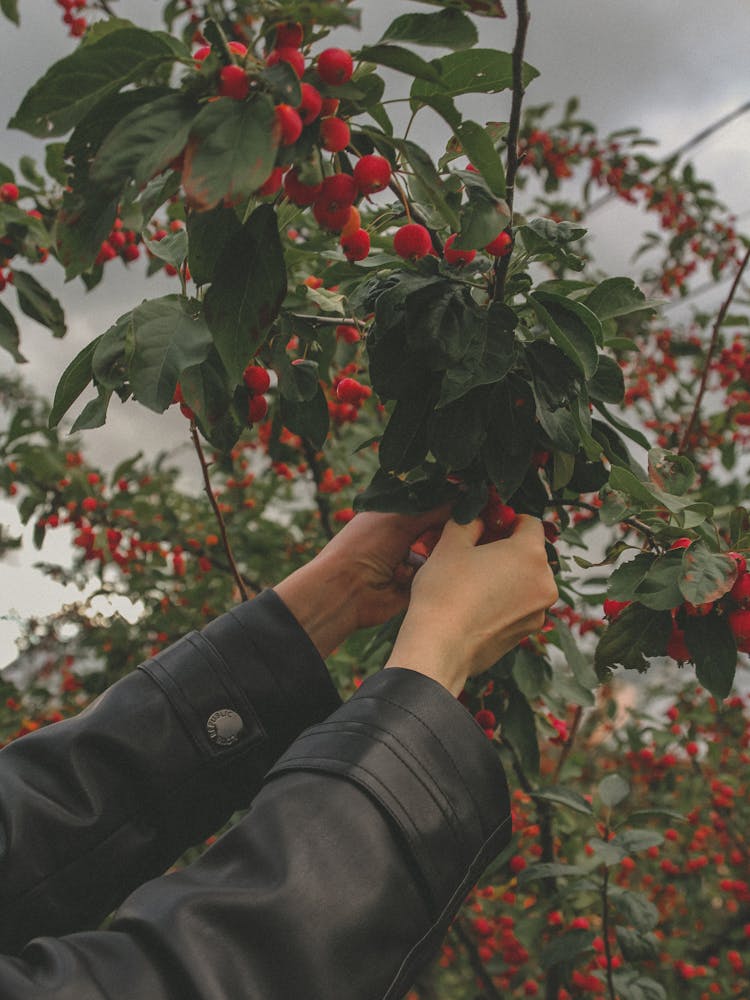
{"points": [[461, 536]]}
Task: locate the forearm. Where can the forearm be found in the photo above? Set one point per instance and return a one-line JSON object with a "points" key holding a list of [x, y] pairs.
{"points": [[93, 806], [340, 882]]}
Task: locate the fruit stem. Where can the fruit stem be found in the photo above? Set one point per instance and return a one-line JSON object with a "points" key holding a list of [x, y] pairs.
{"points": [[514, 127], [710, 353], [219, 516]]}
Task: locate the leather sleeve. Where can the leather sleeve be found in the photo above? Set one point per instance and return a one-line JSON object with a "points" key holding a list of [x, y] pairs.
{"points": [[93, 806], [338, 883]]}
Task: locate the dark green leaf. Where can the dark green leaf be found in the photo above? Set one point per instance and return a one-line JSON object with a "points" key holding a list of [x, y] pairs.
{"points": [[10, 9], [481, 219], [38, 303], [448, 29], [631, 986], [206, 391], [630, 432], [565, 797], [208, 234], [429, 179], [626, 579], [231, 151], [615, 297], [9, 336], [558, 425], [555, 378], [172, 249], [75, 84], [475, 71], [637, 633], [480, 149], [660, 587], [578, 661], [563, 321], [247, 291], [519, 729], [94, 413], [714, 652], [608, 383], [488, 358], [635, 946], [566, 948], [284, 83], [671, 472], [635, 908], [456, 432], [309, 419], [84, 222], [169, 335], [403, 60], [511, 434], [72, 382], [404, 443], [144, 142], [113, 353], [633, 841], [706, 576], [546, 240], [551, 869]]}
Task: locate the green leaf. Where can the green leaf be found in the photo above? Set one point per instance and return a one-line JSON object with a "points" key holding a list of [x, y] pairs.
{"points": [[670, 472], [113, 353], [208, 235], [9, 336], [608, 383], [456, 431], [35, 301], [144, 142], [75, 84], [430, 180], [635, 946], [571, 330], [631, 986], [475, 71], [10, 10], [231, 151], [94, 413], [480, 149], [54, 162], [626, 579], [481, 218], [519, 729], [635, 908], [298, 382], [169, 334], [612, 790], [247, 291], [564, 797], [660, 587], [706, 576], [206, 391], [309, 419], [634, 840], [713, 650], [511, 434], [577, 660], [638, 632], [72, 382], [403, 60], [566, 948], [284, 83], [404, 443], [448, 29], [84, 222], [630, 432], [558, 425], [172, 248], [615, 297], [551, 869], [488, 358], [607, 852], [546, 240]]}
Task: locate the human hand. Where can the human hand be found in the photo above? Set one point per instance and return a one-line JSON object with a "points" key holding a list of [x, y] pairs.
{"points": [[361, 578], [471, 604]]}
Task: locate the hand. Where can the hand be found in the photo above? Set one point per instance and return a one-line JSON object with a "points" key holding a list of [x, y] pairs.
{"points": [[472, 604], [360, 578]]}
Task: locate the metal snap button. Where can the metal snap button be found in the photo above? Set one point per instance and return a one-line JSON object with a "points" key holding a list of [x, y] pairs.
{"points": [[224, 727]]}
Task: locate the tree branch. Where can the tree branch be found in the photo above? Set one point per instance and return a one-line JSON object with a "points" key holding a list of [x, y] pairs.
{"points": [[514, 127], [219, 517], [711, 350]]}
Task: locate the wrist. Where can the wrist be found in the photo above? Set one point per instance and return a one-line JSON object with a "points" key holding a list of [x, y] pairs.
{"points": [[430, 658], [322, 596]]}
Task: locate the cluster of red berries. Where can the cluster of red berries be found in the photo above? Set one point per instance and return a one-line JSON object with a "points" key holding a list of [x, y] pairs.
{"points": [[413, 241], [76, 23], [735, 605], [120, 242], [257, 382]]}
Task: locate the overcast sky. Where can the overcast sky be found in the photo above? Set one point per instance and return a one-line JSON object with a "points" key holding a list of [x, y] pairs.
{"points": [[670, 67]]}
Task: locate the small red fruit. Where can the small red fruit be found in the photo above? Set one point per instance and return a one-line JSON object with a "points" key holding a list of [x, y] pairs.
{"points": [[238, 48], [89, 504], [289, 55], [289, 35], [290, 124], [298, 193], [412, 241], [9, 192], [257, 408], [256, 379], [739, 623], [372, 173], [740, 592], [457, 256], [335, 66], [356, 245], [740, 560], [272, 183], [200, 54], [311, 104], [676, 646], [349, 390], [501, 245], [349, 334], [334, 134], [330, 106], [613, 608], [339, 189], [330, 215], [233, 82], [681, 543], [498, 518]]}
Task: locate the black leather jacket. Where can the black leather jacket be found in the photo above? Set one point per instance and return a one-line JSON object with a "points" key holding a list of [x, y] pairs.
{"points": [[368, 824]]}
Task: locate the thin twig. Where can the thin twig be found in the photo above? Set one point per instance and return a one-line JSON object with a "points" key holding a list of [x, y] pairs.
{"points": [[475, 961], [514, 127], [568, 744], [711, 350], [219, 516], [605, 931]]}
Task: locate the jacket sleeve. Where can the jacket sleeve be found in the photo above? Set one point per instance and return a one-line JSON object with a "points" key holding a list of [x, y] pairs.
{"points": [[93, 806], [339, 882]]}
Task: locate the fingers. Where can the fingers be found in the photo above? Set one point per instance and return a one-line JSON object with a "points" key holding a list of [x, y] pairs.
{"points": [[461, 536]]}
